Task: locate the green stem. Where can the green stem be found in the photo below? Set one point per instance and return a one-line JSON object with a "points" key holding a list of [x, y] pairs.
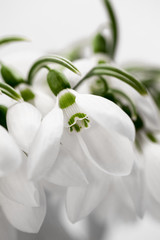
{"points": [[50, 59], [123, 73], [114, 25], [112, 74], [118, 76]]}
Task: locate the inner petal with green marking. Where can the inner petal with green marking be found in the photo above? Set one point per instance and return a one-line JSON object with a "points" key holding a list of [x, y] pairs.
{"points": [[74, 118]]}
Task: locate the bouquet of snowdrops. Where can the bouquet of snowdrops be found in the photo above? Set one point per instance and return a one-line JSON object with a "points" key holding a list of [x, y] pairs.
{"points": [[79, 139]]}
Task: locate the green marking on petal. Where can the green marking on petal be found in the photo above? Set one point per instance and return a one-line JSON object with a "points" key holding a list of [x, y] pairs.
{"points": [[78, 121], [66, 100], [77, 115]]}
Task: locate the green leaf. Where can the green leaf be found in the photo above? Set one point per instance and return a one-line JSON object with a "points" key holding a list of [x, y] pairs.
{"points": [[9, 91], [114, 26], [40, 63], [11, 39], [10, 76]]}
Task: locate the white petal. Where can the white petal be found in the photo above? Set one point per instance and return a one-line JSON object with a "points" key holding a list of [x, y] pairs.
{"points": [[45, 147], [72, 144], [27, 219], [81, 201], [43, 102], [65, 171], [135, 185], [6, 229], [152, 157], [109, 150], [83, 65], [17, 188], [117, 205], [23, 121], [10, 154], [6, 101], [106, 113], [148, 110]]}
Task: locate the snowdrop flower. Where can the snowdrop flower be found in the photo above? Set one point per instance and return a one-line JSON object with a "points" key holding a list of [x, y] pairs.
{"points": [[145, 106], [37, 97], [39, 94], [73, 115], [24, 122], [22, 201], [78, 142]]}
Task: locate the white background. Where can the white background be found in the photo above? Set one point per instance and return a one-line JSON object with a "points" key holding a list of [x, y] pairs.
{"points": [[53, 24]]}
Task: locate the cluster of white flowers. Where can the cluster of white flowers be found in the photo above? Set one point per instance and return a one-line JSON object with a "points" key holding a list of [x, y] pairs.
{"points": [[81, 142], [91, 141]]}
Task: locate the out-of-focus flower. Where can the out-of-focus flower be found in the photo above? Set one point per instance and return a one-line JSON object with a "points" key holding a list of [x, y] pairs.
{"points": [[22, 201], [39, 94]]}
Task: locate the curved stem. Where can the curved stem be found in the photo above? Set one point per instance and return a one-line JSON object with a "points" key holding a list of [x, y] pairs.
{"points": [[123, 73], [50, 59], [11, 39], [112, 74], [118, 92]]}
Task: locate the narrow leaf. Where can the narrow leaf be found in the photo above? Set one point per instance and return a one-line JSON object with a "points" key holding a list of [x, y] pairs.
{"points": [[9, 91], [11, 39], [114, 26]]}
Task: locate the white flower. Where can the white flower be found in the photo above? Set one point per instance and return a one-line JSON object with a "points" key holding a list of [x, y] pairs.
{"points": [[110, 128], [22, 201], [24, 121], [9, 162], [145, 106], [24, 218], [78, 142], [21, 62]]}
